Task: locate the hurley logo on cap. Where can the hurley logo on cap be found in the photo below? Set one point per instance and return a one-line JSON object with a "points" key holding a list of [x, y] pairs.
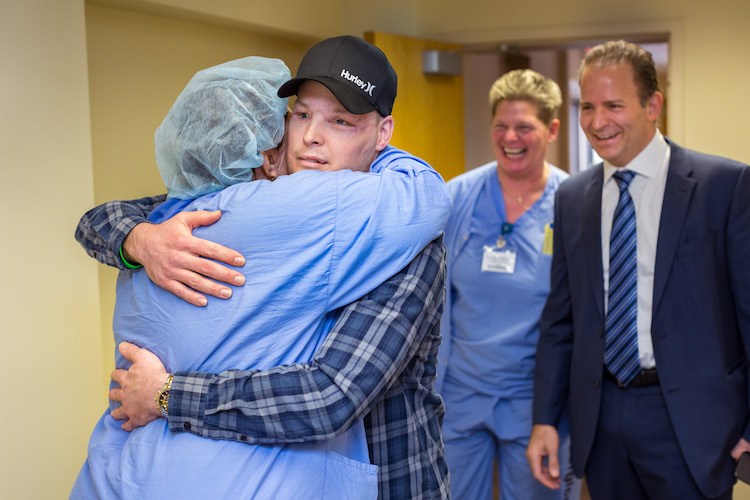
{"points": [[366, 86], [369, 86]]}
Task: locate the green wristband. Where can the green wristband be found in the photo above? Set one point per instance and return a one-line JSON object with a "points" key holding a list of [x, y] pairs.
{"points": [[128, 264]]}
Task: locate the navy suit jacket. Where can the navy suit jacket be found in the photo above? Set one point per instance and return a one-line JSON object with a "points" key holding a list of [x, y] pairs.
{"points": [[701, 313]]}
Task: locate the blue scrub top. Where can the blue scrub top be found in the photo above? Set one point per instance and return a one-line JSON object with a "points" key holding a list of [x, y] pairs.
{"points": [[494, 317], [314, 242]]}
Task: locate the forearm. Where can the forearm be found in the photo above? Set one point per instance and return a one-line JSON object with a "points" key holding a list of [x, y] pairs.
{"points": [[738, 233], [249, 406], [407, 212], [553, 358], [370, 345], [102, 229], [555, 345], [380, 231]]}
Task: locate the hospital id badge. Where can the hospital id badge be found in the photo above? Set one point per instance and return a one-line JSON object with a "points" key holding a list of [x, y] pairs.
{"points": [[498, 260]]}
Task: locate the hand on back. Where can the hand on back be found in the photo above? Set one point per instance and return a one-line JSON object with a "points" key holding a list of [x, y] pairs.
{"points": [[179, 262]]}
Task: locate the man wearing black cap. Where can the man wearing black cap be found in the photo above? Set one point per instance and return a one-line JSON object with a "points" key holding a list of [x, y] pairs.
{"points": [[357, 73], [378, 362], [345, 90]]}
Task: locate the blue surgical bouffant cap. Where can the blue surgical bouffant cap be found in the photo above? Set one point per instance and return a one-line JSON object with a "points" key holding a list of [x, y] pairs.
{"points": [[220, 124]]}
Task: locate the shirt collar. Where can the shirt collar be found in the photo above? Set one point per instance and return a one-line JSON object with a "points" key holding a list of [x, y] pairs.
{"points": [[646, 163]]}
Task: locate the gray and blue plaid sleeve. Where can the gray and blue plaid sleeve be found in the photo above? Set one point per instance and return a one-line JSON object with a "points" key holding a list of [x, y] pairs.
{"points": [[371, 344], [102, 229]]}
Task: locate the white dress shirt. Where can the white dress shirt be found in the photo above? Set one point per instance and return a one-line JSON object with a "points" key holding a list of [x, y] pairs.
{"points": [[647, 192]]}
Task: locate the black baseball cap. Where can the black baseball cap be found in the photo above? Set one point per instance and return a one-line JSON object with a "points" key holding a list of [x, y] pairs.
{"points": [[356, 72]]}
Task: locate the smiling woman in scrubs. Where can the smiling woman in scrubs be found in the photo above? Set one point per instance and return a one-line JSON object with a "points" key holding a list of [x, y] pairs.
{"points": [[499, 242]]}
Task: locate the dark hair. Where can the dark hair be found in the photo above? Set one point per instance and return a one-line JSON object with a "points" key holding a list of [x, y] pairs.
{"points": [[622, 52]]}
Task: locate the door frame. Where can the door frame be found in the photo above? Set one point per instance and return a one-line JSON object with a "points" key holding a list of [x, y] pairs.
{"points": [[575, 34]]}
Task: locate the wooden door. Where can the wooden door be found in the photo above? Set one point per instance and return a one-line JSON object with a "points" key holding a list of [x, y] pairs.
{"points": [[428, 112]]}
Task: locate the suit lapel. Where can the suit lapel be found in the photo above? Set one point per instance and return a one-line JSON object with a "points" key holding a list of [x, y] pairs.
{"points": [[677, 193], [592, 238]]}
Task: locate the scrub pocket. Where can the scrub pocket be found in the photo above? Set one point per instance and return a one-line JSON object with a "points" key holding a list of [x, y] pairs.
{"points": [[349, 479]]}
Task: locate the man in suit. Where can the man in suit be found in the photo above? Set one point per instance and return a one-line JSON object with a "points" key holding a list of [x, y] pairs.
{"points": [[647, 352]]}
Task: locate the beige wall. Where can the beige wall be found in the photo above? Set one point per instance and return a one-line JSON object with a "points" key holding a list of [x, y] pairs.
{"points": [[297, 18], [56, 352], [302, 18], [51, 374]]}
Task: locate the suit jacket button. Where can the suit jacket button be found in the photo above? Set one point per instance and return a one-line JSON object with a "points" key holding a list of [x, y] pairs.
{"points": [[597, 383]]}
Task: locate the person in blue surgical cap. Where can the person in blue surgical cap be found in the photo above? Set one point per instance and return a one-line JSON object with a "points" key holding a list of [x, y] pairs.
{"points": [[305, 261], [499, 243]]}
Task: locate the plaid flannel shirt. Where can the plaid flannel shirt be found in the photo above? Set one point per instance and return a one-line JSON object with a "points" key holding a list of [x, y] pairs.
{"points": [[377, 363], [102, 229]]}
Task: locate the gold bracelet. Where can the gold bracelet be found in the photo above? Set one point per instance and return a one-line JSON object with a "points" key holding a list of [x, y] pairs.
{"points": [[162, 397]]}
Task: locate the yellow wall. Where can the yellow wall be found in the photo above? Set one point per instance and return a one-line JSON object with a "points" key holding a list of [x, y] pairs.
{"points": [[51, 392], [52, 375], [438, 141]]}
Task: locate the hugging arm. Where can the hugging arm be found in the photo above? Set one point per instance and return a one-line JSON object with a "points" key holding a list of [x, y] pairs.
{"points": [[102, 229], [413, 201], [172, 257], [370, 345]]}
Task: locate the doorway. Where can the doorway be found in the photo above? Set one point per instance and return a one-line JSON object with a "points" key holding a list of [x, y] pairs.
{"points": [[485, 62]]}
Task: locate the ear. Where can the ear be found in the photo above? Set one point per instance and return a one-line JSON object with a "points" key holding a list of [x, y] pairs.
{"points": [[654, 105], [554, 129], [273, 164], [385, 131], [262, 173]]}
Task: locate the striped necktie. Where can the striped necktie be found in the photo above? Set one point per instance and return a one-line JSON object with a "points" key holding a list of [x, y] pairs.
{"points": [[621, 332]]}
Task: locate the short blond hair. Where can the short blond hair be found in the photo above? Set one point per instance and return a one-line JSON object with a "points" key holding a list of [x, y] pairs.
{"points": [[527, 85]]}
